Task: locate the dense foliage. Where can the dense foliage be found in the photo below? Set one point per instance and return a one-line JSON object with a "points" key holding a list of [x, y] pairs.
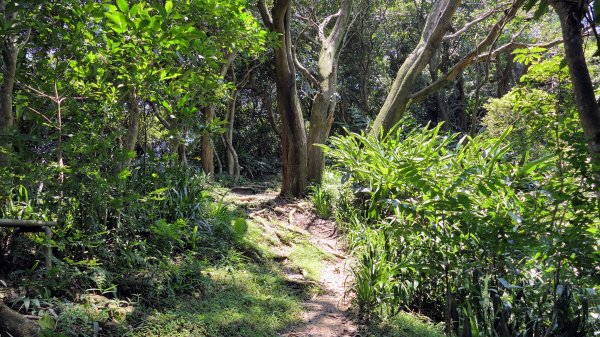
{"points": [[122, 121]]}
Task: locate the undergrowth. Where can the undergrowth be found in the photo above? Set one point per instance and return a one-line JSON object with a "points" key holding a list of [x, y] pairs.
{"points": [[171, 257], [461, 231]]}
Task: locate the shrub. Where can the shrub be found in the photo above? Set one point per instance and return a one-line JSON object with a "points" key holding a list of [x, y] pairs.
{"points": [[464, 231]]}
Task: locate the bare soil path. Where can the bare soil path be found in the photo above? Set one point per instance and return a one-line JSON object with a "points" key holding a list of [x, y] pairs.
{"points": [[326, 313]]}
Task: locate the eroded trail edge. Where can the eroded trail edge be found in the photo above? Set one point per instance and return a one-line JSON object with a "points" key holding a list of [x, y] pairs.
{"points": [[326, 313]]}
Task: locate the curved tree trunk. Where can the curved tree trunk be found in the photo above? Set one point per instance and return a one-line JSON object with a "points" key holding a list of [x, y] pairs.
{"points": [[571, 14], [437, 25], [293, 180], [322, 112]]}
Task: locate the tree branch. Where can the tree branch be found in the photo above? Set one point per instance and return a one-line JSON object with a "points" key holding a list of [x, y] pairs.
{"points": [[309, 76], [162, 120], [471, 56], [464, 63], [229, 58], [324, 24], [476, 21], [264, 13]]}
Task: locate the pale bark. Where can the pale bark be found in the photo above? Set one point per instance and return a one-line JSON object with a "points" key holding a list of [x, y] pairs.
{"points": [[294, 177], [436, 26], [324, 102], [571, 14]]}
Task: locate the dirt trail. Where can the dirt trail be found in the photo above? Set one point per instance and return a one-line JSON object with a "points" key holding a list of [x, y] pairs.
{"points": [[326, 314]]}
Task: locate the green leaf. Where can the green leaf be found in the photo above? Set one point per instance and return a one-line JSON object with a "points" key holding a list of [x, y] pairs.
{"points": [[168, 6], [533, 165], [123, 6], [596, 12], [119, 20], [135, 9], [123, 175], [166, 105]]}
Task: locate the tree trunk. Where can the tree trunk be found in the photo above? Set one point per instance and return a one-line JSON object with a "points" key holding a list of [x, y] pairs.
{"points": [[13, 324], [208, 156], [181, 153], [437, 24], [570, 15], [268, 104], [233, 163], [293, 180], [133, 129], [442, 113], [324, 102], [208, 162], [10, 51], [461, 112], [504, 75]]}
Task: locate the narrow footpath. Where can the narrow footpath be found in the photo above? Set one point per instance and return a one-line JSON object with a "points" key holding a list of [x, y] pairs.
{"points": [[326, 312]]}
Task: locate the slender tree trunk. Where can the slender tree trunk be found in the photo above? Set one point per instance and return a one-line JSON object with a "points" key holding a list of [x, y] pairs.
{"points": [[442, 110], [208, 156], [208, 162], [133, 129], [324, 102], [436, 26], [219, 163], [233, 163], [268, 103], [10, 51], [181, 153], [571, 14], [462, 103], [177, 144], [504, 75], [294, 176], [322, 115]]}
